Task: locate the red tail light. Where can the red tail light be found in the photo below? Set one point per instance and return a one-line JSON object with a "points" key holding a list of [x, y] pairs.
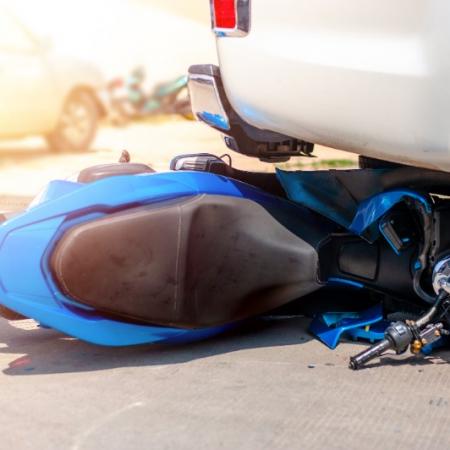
{"points": [[224, 14], [230, 17]]}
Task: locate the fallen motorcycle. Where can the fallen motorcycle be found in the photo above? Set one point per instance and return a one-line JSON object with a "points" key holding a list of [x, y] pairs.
{"points": [[127, 256]]}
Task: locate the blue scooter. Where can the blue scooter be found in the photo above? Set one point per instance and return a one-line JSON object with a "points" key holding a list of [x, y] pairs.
{"points": [[127, 256]]}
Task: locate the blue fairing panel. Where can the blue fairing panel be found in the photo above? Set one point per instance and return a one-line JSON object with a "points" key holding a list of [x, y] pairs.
{"points": [[321, 193], [329, 327], [26, 241], [372, 209], [326, 195]]}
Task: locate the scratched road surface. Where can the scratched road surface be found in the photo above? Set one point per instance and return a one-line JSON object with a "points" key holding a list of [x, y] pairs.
{"points": [[264, 386]]}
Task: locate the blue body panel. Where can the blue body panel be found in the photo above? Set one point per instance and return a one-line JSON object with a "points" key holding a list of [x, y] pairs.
{"points": [[372, 209], [26, 241], [329, 327]]}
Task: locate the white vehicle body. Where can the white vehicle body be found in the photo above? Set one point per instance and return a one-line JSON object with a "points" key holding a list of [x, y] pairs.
{"points": [[368, 77], [36, 82]]}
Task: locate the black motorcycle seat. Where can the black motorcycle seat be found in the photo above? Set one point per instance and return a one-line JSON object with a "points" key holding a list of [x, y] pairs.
{"points": [[191, 262]]}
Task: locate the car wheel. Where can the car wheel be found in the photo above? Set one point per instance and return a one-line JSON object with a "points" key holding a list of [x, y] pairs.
{"points": [[77, 124]]}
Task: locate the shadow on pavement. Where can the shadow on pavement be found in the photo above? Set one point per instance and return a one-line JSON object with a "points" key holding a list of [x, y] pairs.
{"points": [[439, 357], [49, 352]]}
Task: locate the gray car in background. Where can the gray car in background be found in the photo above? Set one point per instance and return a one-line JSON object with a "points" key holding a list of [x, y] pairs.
{"points": [[45, 93]]}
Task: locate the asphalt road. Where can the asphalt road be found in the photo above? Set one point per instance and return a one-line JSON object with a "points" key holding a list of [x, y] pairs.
{"points": [[266, 385]]}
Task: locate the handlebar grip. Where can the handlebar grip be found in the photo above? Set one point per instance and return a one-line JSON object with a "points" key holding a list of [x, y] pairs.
{"points": [[356, 362]]}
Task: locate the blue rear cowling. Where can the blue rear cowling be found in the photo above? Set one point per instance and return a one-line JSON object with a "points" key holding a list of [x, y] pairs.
{"points": [[27, 240]]}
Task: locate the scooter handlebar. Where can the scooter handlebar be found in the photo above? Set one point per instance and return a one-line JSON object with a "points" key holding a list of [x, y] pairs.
{"points": [[356, 362]]}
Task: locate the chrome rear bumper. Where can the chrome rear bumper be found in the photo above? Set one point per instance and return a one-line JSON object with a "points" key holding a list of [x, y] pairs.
{"points": [[210, 105], [206, 103]]}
